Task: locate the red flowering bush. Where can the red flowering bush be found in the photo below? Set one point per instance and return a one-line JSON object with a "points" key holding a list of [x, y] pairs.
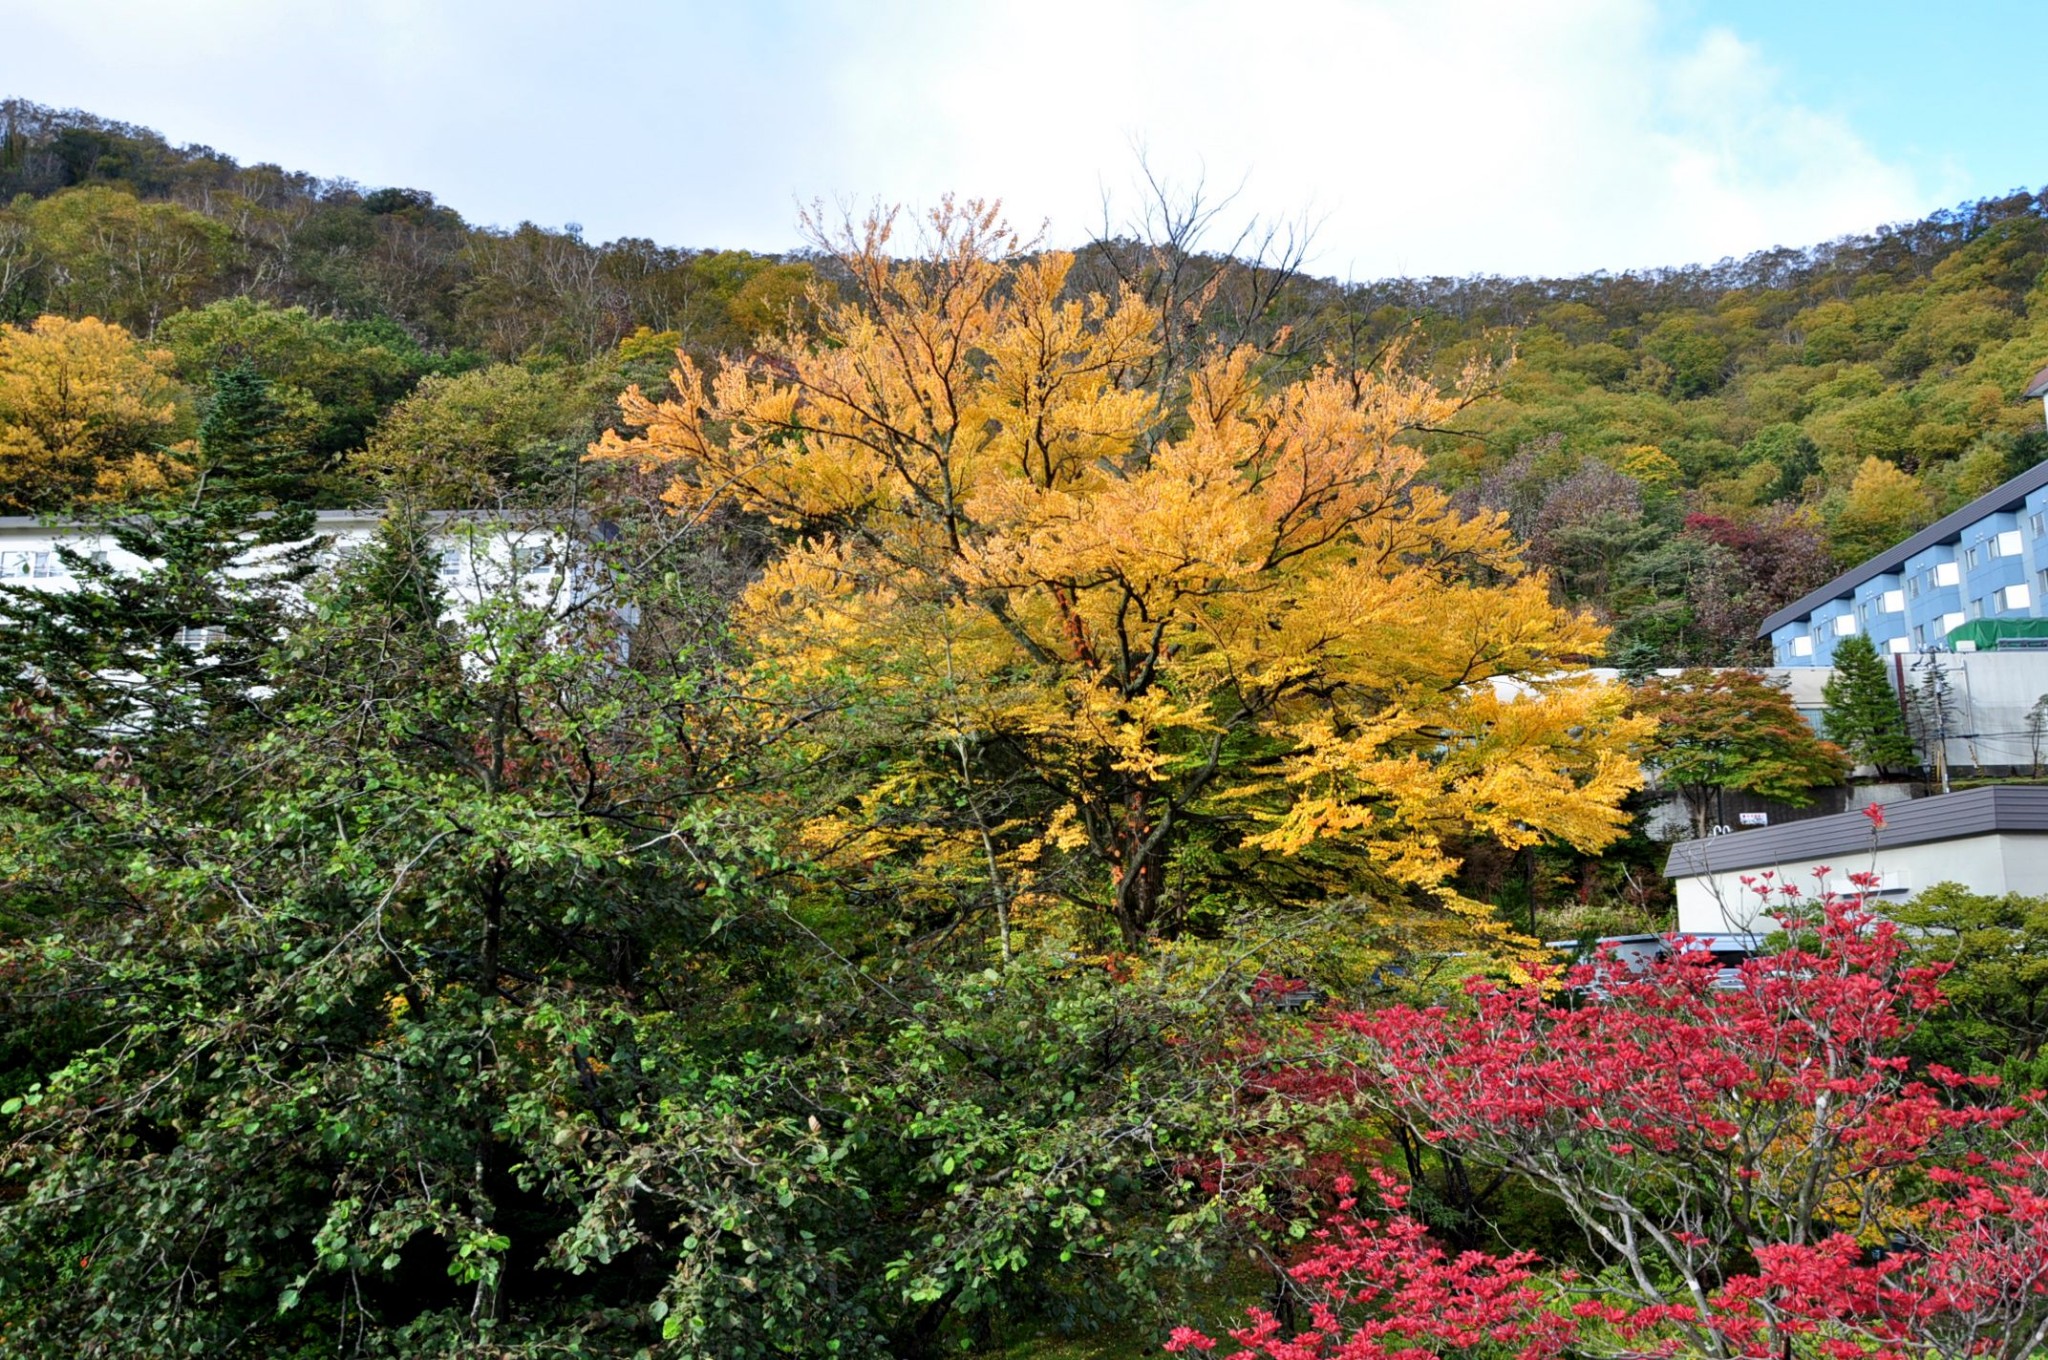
{"points": [[1754, 1166]]}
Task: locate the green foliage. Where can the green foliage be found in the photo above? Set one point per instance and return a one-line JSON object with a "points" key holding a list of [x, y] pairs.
{"points": [[413, 973], [1862, 713], [1873, 379], [1996, 953], [1733, 729], [334, 378], [105, 253], [480, 437]]}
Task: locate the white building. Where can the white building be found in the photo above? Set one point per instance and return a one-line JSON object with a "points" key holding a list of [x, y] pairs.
{"points": [[1990, 840], [480, 553]]}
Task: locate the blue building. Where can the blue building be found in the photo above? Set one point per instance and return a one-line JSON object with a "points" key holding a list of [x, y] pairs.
{"points": [[1988, 560]]}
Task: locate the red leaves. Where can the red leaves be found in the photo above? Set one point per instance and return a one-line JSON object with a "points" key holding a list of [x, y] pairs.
{"points": [[1387, 1292], [1737, 1150]]}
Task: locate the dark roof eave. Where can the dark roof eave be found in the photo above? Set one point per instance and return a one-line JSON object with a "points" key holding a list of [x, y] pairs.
{"points": [[1999, 810]]}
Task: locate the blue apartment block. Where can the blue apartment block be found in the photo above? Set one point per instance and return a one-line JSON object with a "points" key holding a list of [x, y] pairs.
{"points": [[1988, 560]]}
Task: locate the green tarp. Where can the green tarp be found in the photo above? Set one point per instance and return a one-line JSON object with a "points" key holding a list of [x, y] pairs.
{"points": [[1987, 635]]}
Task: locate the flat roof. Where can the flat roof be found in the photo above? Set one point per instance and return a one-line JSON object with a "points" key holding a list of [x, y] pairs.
{"points": [[1949, 526], [323, 516], [2000, 809], [368, 512]]}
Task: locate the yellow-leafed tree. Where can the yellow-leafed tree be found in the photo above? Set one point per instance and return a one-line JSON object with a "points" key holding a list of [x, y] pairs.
{"points": [[1228, 617], [86, 412]]}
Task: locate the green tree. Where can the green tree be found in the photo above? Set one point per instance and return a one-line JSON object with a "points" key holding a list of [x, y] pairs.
{"points": [[1861, 712], [480, 437], [125, 260], [332, 378], [445, 997], [1996, 951], [1733, 729]]}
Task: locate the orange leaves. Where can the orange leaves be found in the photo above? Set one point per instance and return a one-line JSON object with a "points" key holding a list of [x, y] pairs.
{"points": [[85, 412], [1229, 602]]}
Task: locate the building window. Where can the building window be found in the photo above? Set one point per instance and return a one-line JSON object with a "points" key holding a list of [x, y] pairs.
{"points": [[530, 559], [1894, 602], [1913, 585], [30, 565], [1976, 609], [1845, 624], [2015, 598], [1802, 646], [1898, 646], [1947, 574], [199, 639], [2008, 544], [1920, 636], [1970, 559], [2040, 525], [1951, 622]]}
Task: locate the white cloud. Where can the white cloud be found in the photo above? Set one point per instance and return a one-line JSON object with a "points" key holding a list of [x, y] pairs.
{"points": [[1425, 136], [1483, 135]]}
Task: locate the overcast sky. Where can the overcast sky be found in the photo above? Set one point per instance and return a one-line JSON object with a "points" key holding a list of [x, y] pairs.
{"points": [[1419, 136]]}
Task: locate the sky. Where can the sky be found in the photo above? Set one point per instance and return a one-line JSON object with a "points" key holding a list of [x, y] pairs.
{"points": [[1409, 137]]}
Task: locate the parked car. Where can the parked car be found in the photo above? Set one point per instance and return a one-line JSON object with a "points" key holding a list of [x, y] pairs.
{"points": [[1638, 954]]}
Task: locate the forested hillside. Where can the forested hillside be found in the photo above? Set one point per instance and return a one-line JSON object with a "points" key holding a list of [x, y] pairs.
{"points": [[998, 788], [1686, 449]]}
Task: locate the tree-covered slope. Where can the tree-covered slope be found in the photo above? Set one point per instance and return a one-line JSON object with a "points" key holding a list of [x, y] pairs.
{"points": [[1685, 449]]}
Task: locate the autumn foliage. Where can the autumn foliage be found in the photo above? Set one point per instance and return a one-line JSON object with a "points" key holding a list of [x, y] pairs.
{"points": [[86, 413], [1227, 606], [1750, 1158]]}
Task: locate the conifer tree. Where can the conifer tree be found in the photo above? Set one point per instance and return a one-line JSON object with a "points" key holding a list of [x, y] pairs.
{"points": [[173, 651], [1861, 713]]}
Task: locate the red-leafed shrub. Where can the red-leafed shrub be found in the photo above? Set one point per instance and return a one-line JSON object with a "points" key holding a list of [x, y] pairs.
{"points": [[1755, 1167]]}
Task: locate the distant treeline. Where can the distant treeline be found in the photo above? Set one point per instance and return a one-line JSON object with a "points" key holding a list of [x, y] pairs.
{"points": [[109, 219], [1685, 449]]}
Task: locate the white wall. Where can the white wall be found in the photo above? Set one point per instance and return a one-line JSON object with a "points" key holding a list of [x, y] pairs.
{"points": [[1720, 904], [480, 556]]}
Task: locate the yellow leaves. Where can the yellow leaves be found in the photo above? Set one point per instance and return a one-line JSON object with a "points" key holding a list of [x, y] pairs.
{"points": [[1521, 763], [85, 411], [1649, 465], [1232, 604]]}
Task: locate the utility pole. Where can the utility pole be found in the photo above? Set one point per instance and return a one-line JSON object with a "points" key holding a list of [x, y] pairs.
{"points": [[1933, 703]]}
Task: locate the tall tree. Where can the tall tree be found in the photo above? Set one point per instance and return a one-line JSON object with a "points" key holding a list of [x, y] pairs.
{"points": [[1733, 729], [1862, 713], [1881, 507], [1237, 620]]}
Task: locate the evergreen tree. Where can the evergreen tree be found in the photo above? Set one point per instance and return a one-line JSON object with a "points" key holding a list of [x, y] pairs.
{"points": [[244, 443], [175, 651], [1861, 713]]}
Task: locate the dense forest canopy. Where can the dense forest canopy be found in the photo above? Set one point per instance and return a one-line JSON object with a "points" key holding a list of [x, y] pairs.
{"points": [[1683, 449]]}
